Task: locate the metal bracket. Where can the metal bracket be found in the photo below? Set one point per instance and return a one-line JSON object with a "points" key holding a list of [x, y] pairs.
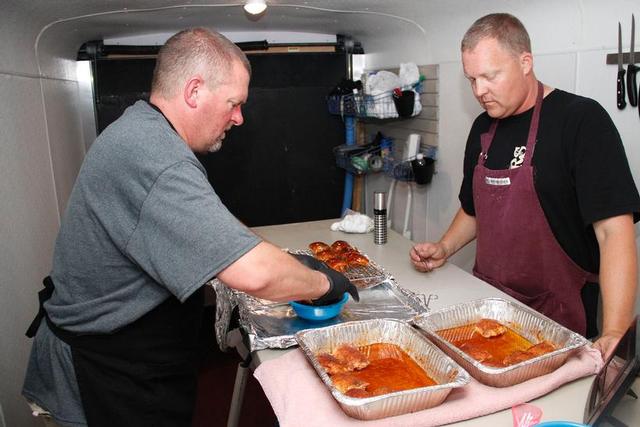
{"points": [[612, 58]]}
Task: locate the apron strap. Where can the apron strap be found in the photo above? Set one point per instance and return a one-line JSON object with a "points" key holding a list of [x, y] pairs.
{"points": [[485, 142], [43, 296], [487, 138], [533, 128]]}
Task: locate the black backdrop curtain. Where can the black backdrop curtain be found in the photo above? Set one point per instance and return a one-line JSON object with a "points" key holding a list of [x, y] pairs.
{"points": [[278, 167]]}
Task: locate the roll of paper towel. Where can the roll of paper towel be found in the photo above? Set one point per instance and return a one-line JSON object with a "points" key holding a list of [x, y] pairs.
{"points": [[412, 146]]}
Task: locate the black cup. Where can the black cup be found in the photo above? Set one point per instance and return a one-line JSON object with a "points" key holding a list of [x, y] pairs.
{"points": [[404, 103], [423, 170]]}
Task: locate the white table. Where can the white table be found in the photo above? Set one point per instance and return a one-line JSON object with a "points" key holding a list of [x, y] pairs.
{"points": [[451, 284]]}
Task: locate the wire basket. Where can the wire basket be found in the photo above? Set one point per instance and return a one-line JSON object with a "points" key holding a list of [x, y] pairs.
{"points": [[380, 106], [400, 169], [347, 105], [357, 159]]}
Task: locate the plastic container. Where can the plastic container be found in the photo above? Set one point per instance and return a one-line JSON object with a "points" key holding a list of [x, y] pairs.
{"points": [[423, 168], [404, 102], [561, 424], [319, 312]]}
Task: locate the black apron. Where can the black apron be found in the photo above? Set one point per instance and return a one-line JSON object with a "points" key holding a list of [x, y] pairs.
{"points": [[144, 374]]}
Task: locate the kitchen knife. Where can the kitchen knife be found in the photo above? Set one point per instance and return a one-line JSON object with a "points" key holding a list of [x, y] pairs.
{"points": [[620, 84], [632, 90]]}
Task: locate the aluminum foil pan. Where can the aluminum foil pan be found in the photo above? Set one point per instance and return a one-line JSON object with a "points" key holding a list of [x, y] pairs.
{"points": [[528, 323], [273, 325], [362, 277], [436, 364]]}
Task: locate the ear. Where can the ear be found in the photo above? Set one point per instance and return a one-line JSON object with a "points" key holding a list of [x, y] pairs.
{"points": [[526, 62], [194, 84]]}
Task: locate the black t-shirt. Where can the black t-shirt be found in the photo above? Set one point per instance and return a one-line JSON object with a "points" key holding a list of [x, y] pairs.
{"points": [[581, 173]]}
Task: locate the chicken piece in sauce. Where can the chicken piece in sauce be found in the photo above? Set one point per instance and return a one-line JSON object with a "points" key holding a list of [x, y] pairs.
{"points": [[356, 258], [325, 256], [331, 364], [478, 354], [541, 348], [317, 247], [346, 382], [338, 264], [340, 246], [489, 328], [350, 356]]}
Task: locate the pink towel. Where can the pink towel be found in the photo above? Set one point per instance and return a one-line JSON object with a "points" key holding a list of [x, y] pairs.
{"points": [[300, 398]]}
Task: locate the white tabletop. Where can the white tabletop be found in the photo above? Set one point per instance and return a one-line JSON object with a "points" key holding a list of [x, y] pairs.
{"points": [[449, 283]]}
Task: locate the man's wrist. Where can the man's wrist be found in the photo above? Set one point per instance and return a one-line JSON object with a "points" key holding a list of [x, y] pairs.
{"points": [[447, 248]]}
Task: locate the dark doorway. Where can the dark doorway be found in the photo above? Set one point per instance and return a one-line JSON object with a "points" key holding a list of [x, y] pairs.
{"points": [[278, 167]]}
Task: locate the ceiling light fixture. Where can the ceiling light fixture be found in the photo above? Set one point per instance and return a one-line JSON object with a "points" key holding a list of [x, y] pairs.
{"points": [[255, 7]]}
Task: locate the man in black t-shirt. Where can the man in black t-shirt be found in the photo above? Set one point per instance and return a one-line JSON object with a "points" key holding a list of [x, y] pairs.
{"points": [[547, 191]]}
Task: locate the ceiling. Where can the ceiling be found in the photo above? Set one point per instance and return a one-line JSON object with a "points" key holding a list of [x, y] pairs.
{"points": [[55, 29]]}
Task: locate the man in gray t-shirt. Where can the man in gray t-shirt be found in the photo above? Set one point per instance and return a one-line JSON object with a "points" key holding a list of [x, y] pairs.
{"points": [[143, 231]]}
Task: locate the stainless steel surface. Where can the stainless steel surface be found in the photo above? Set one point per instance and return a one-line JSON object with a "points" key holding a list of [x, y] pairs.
{"points": [[438, 366], [531, 325], [273, 325]]}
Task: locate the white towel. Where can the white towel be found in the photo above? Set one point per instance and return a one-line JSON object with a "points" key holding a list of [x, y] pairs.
{"points": [[354, 223]]}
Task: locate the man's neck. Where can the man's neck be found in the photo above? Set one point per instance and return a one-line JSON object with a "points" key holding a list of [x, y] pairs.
{"points": [[170, 114]]}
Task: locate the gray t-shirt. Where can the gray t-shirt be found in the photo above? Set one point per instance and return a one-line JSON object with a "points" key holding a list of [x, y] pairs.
{"points": [[142, 223]]}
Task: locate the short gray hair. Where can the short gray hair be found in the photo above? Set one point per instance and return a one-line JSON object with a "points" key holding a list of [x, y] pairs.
{"points": [[504, 27], [191, 51]]}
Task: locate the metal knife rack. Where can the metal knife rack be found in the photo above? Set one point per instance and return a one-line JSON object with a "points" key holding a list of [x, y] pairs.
{"points": [[612, 58]]}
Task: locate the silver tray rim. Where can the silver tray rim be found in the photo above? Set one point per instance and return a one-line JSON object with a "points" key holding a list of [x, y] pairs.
{"points": [[462, 377], [576, 339]]}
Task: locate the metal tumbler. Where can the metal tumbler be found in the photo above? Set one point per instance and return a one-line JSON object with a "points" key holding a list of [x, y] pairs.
{"points": [[379, 217]]}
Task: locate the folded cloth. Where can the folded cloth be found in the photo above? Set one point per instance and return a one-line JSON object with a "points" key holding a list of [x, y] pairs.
{"points": [[354, 223], [296, 391]]}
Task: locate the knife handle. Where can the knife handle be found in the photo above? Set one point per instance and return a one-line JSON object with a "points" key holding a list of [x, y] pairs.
{"points": [[632, 89], [620, 90]]}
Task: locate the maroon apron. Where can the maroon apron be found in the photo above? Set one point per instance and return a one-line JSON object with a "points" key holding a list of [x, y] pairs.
{"points": [[516, 249]]}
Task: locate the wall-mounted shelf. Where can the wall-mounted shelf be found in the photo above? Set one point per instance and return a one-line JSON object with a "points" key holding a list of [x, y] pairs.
{"points": [[612, 58]]}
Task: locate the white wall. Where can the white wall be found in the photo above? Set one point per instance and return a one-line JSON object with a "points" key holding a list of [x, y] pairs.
{"points": [[40, 154]]}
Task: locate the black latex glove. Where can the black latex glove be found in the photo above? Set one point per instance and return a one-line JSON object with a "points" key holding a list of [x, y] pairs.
{"points": [[338, 283]]}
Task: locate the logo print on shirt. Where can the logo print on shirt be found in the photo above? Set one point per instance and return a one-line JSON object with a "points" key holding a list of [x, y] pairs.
{"points": [[518, 157]]}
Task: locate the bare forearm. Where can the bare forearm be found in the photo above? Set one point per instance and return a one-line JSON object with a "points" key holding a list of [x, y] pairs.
{"points": [[461, 231], [618, 273], [268, 272], [428, 256]]}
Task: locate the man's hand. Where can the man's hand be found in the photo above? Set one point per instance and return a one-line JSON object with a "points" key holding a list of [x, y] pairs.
{"points": [[338, 283], [428, 256], [606, 344]]}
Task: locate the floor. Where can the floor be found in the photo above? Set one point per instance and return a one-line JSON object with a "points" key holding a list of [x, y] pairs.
{"points": [[215, 387], [628, 409]]}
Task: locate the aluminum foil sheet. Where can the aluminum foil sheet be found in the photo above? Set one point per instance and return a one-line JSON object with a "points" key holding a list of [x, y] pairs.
{"points": [[528, 323], [225, 302], [273, 325], [362, 277], [447, 373]]}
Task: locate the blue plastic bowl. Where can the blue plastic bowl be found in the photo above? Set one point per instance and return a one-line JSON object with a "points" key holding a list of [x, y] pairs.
{"points": [[319, 312], [560, 424]]}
